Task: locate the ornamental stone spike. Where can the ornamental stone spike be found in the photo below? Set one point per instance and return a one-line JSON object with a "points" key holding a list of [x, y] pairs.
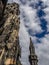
{"points": [[33, 57]]}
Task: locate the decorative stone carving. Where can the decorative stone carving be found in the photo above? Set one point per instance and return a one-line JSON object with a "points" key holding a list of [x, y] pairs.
{"points": [[10, 50]]}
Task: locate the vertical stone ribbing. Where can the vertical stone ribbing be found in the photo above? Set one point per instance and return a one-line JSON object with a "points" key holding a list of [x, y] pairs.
{"points": [[33, 57]]}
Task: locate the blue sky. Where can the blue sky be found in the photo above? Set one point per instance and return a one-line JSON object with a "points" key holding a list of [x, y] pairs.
{"points": [[34, 18]]}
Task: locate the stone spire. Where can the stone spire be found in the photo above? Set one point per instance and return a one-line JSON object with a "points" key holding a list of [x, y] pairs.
{"points": [[33, 57]]}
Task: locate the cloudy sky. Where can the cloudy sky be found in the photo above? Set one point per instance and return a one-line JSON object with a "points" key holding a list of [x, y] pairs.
{"points": [[34, 18]]}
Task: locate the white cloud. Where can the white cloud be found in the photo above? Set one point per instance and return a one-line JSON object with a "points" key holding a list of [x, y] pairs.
{"points": [[46, 2], [46, 10], [24, 43], [33, 20], [42, 50]]}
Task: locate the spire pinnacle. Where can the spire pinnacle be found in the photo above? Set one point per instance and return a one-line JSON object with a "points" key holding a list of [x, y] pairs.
{"points": [[33, 57], [31, 48]]}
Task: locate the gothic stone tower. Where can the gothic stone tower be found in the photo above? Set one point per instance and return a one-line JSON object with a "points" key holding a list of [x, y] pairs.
{"points": [[33, 57], [10, 50]]}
